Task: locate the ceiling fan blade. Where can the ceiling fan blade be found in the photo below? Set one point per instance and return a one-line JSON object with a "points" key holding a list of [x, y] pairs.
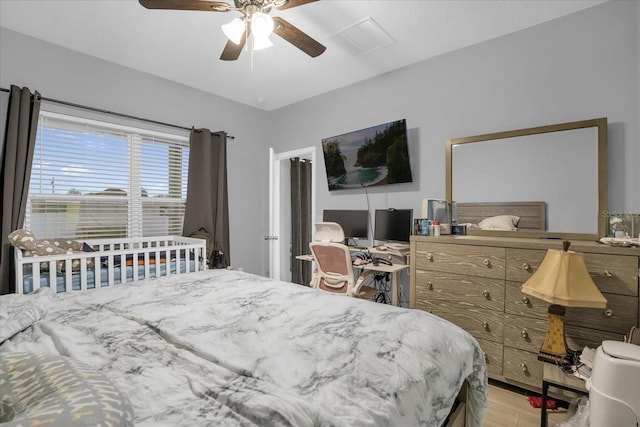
{"points": [[232, 51], [202, 5], [293, 3], [297, 37]]}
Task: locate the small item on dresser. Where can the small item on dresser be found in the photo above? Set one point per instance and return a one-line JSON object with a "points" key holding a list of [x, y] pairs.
{"points": [[459, 230], [436, 228], [617, 229], [612, 241], [424, 227]]}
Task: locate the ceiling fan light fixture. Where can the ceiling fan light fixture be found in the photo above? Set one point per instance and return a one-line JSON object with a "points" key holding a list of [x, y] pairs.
{"points": [[261, 42], [234, 30], [261, 24]]}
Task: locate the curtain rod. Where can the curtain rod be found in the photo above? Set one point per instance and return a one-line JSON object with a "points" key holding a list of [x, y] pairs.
{"points": [[113, 113]]}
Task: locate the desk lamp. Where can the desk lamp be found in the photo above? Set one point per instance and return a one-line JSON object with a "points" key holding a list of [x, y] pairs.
{"points": [[563, 281]]}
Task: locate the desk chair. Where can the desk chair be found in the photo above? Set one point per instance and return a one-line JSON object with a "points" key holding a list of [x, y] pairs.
{"points": [[334, 272]]}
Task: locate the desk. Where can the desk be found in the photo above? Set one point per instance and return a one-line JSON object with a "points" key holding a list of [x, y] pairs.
{"points": [[552, 375], [394, 270]]}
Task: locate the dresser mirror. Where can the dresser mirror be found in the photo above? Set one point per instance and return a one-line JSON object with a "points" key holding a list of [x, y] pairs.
{"points": [[553, 177]]}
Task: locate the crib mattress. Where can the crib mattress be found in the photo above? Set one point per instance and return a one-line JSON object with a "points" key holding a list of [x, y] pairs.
{"points": [[45, 280]]}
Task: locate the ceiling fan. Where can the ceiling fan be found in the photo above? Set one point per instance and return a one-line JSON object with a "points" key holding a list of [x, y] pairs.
{"points": [[255, 21]]}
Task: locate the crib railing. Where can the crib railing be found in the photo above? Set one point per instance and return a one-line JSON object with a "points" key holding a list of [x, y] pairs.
{"points": [[149, 254]]}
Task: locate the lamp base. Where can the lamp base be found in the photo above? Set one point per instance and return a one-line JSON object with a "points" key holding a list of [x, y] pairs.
{"points": [[554, 348], [554, 341], [565, 361]]}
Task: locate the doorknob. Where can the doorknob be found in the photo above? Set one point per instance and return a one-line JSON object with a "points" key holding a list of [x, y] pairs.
{"points": [[270, 237]]}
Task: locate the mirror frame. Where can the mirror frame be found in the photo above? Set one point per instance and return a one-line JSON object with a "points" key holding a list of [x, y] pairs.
{"points": [[599, 123]]}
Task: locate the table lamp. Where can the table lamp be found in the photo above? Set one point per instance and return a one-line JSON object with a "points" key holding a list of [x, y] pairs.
{"points": [[563, 281]]}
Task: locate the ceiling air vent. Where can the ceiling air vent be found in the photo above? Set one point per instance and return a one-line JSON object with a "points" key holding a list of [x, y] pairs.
{"points": [[365, 36]]}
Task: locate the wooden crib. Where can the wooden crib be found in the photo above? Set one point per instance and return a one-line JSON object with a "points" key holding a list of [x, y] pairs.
{"points": [[113, 261]]}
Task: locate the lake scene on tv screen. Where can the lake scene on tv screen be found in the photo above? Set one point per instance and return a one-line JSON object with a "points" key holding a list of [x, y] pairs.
{"points": [[373, 156]]}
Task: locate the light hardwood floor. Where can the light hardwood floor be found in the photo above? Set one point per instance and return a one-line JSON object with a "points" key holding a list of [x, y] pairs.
{"points": [[509, 407]]}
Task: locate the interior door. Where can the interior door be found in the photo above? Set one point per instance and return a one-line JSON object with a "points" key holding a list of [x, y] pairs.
{"points": [[279, 237]]}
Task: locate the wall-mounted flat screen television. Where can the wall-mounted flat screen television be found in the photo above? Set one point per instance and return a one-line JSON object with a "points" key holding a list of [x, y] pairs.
{"points": [[373, 156]]}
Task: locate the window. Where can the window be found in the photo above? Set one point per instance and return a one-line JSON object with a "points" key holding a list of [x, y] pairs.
{"points": [[94, 179]]}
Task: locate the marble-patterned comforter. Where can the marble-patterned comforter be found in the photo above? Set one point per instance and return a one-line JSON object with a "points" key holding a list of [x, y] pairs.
{"points": [[226, 348]]}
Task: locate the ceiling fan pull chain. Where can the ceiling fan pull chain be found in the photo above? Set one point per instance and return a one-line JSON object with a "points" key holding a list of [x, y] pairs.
{"points": [[252, 43]]}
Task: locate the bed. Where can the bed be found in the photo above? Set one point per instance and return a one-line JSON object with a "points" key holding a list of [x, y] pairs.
{"points": [[228, 348], [104, 262]]}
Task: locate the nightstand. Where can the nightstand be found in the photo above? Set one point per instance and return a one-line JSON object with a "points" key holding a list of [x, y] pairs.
{"points": [[552, 375]]}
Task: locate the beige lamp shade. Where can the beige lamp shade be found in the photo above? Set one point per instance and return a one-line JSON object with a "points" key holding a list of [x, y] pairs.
{"points": [[563, 279]]}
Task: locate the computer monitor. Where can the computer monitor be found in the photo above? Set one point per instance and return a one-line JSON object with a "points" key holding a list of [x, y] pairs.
{"points": [[393, 225], [354, 223]]}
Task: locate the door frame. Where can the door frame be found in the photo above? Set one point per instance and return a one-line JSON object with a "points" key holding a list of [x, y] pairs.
{"points": [[278, 249]]}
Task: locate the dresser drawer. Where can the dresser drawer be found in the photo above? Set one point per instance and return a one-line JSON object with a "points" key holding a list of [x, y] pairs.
{"points": [[492, 356], [482, 324], [461, 259], [518, 303], [617, 274], [527, 333], [464, 291], [578, 337], [621, 311], [522, 263], [523, 367]]}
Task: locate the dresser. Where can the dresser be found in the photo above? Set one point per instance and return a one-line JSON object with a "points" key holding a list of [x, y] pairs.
{"points": [[474, 282]]}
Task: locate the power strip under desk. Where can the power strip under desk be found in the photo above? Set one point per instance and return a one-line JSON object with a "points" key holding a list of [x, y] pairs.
{"points": [[384, 267], [378, 250]]}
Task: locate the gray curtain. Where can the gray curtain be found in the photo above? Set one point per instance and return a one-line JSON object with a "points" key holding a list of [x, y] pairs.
{"points": [[300, 219], [15, 170], [207, 203]]}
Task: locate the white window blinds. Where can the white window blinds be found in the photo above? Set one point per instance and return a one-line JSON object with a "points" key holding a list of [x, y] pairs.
{"points": [[93, 179]]}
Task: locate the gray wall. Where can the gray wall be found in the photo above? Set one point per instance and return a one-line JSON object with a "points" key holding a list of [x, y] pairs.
{"points": [[60, 73], [577, 67]]}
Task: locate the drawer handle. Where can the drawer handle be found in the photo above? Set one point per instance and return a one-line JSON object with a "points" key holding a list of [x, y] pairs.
{"points": [[524, 334], [430, 257], [526, 301], [526, 266], [487, 262], [485, 325], [430, 286], [608, 313], [608, 274], [524, 367], [486, 294]]}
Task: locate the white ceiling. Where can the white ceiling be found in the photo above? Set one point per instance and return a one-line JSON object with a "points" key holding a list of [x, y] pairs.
{"points": [[184, 46]]}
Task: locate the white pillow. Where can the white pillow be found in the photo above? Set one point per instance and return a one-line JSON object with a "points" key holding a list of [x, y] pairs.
{"points": [[500, 222]]}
